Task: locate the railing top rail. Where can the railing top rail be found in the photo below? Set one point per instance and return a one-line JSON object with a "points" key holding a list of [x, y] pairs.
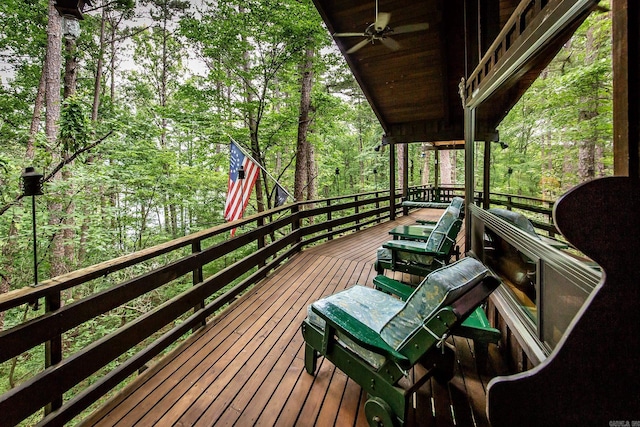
{"points": [[74, 278]]}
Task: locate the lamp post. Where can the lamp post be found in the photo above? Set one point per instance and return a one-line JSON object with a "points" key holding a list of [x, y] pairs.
{"points": [[32, 186], [337, 181], [375, 177]]}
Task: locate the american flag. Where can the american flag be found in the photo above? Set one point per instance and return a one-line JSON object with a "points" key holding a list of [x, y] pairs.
{"points": [[239, 190]]}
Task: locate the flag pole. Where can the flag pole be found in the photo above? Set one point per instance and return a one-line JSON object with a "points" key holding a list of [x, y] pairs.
{"points": [[260, 166]]}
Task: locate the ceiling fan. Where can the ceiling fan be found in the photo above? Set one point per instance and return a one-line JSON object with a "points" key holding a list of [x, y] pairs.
{"points": [[380, 31]]}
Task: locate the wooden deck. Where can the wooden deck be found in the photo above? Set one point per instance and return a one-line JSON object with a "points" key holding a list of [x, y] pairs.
{"points": [[247, 368]]}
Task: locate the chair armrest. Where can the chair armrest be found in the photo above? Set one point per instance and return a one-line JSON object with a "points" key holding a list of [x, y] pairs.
{"points": [[387, 284], [358, 332], [426, 222], [409, 246]]}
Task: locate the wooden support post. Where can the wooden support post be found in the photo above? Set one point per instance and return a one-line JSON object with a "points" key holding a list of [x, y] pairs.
{"points": [[626, 91], [261, 239], [357, 211], [198, 277], [295, 209], [329, 219], [53, 349], [469, 184], [436, 174], [486, 181], [392, 181]]}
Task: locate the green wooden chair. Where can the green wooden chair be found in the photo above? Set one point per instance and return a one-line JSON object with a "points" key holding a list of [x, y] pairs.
{"points": [[475, 327], [423, 228], [375, 338], [523, 223], [421, 258]]}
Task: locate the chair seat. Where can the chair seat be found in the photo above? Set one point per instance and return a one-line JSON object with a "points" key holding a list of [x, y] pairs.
{"points": [[367, 305]]}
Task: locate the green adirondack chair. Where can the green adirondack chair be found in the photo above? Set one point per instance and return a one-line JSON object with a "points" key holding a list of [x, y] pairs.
{"points": [[423, 228], [475, 327], [421, 258], [375, 338]]}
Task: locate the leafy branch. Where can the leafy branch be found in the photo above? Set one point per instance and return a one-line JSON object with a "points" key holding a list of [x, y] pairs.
{"points": [[58, 167]]}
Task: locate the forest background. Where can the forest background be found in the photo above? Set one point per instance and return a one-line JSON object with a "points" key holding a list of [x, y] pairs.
{"points": [[130, 124]]}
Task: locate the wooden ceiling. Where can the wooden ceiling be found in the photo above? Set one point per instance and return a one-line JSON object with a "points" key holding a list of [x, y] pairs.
{"points": [[415, 90]]}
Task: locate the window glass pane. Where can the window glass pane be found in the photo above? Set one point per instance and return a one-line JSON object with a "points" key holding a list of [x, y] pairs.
{"points": [[517, 271]]}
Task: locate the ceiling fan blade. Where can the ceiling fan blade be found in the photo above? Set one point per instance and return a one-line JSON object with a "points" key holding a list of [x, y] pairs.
{"points": [[382, 20], [349, 35], [411, 28], [358, 46], [390, 43]]}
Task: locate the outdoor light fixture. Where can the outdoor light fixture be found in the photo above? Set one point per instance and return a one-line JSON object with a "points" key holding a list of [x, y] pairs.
{"points": [[241, 172], [71, 8], [337, 171], [71, 12], [503, 144], [32, 186]]}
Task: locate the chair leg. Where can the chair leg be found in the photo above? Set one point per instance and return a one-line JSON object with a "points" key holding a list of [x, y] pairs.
{"points": [[445, 366], [481, 351], [378, 267], [310, 359]]}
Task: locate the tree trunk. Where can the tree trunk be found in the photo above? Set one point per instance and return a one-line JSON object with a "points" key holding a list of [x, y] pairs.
{"points": [[426, 165], [97, 86], [401, 150], [52, 115], [304, 176], [586, 149], [445, 167], [37, 111]]}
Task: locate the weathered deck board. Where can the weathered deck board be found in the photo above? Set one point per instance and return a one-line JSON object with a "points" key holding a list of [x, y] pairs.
{"points": [[247, 366]]}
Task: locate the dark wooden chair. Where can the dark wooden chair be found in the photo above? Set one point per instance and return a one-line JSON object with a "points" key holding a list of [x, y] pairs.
{"points": [[375, 338]]}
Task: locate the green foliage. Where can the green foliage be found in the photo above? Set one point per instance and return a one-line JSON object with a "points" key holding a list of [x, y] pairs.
{"points": [[188, 82], [74, 125], [560, 132]]}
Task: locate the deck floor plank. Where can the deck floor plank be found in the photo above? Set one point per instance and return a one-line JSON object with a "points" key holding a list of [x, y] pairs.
{"points": [[246, 367]]}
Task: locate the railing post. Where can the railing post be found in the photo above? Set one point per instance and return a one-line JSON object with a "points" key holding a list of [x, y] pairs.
{"points": [[261, 239], [53, 349], [509, 201], [357, 211], [329, 219], [296, 222], [196, 247], [377, 206]]}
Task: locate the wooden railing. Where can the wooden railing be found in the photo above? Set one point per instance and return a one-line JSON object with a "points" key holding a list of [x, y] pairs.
{"points": [[519, 21], [213, 267], [263, 242], [539, 211]]}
